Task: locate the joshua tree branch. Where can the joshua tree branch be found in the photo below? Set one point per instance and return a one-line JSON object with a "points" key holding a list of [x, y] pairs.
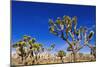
{"points": [[62, 35], [80, 48], [90, 46]]}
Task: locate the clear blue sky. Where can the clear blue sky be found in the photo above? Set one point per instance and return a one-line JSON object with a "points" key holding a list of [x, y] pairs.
{"points": [[31, 18]]}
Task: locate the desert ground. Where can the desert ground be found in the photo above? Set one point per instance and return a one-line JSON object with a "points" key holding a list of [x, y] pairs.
{"points": [[51, 59]]}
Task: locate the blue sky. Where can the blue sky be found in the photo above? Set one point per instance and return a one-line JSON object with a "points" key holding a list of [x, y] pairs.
{"points": [[31, 18]]}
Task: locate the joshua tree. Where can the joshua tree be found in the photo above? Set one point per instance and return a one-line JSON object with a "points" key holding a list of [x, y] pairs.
{"points": [[31, 46], [52, 46], [61, 54], [20, 49], [29, 41], [66, 29], [36, 49]]}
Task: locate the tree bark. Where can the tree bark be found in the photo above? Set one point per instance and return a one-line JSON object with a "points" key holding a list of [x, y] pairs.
{"points": [[74, 56], [61, 59]]}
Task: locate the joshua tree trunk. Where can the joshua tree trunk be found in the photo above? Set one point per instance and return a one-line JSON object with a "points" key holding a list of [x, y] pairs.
{"points": [[74, 56], [22, 54], [36, 57], [22, 59], [61, 59]]}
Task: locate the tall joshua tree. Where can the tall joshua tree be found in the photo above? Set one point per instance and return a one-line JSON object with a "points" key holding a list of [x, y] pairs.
{"points": [[66, 29], [61, 54]]}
